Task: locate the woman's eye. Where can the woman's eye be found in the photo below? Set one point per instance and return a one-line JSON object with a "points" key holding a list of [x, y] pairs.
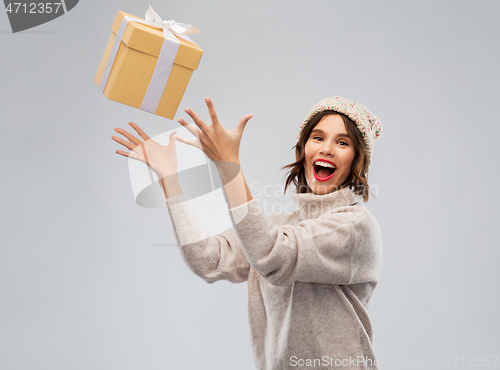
{"points": [[342, 143]]}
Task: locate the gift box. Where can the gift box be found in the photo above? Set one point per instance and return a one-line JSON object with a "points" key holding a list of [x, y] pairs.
{"points": [[148, 63]]}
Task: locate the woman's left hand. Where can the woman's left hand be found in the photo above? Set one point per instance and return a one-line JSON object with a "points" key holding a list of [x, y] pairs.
{"points": [[215, 141]]}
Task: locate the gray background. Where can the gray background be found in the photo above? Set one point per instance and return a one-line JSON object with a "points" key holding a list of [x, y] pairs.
{"points": [[82, 286]]}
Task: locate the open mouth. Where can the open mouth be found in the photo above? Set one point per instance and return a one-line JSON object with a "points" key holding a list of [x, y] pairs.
{"points": [[323, 170]]}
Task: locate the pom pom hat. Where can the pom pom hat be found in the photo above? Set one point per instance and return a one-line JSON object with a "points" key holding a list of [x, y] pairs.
{"points": [[367, 122]]}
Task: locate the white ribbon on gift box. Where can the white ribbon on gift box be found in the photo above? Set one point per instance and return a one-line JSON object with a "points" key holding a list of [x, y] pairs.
{"points": [[165, 60]]}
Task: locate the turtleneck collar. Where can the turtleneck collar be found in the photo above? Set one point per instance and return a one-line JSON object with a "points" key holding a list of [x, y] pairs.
{"points": [[312, 205]]}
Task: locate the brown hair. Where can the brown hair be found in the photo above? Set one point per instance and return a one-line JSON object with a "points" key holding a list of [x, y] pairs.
{"points": [[357, 179]]}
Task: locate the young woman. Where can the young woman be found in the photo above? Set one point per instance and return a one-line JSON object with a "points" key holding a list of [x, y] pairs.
{"points": [[311, 274]]}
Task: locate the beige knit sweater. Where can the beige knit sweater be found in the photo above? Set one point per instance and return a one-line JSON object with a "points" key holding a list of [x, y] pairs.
{"points": [[311, 276]]}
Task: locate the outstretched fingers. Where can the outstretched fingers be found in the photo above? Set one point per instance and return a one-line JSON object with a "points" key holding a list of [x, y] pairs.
{"points": [[243, 122], [132, 154], [211, 111], [129, 136], [126, 144], [139, 131], [190, 127], [195, 143], [197, 120], [121, 152]]}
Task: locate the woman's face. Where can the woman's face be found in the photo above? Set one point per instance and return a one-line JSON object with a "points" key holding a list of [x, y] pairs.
{"points": [[329, 145]]}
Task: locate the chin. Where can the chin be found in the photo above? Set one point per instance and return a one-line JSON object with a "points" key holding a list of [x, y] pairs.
{"points": [[319, 189]]}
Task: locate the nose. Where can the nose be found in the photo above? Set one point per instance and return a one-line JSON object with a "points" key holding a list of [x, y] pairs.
{"points": [[326, 149]]}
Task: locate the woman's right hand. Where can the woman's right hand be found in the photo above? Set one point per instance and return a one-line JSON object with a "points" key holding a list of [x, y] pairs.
{"points": [[161, 158]]}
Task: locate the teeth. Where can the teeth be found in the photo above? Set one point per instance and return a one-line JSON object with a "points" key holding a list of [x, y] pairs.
{"points": [[324, 164]]}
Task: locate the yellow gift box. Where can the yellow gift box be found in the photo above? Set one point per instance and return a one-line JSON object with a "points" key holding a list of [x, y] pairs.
{"points": [[150, 67]]}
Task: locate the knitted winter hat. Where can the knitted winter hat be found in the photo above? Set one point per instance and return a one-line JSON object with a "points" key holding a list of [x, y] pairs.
{"points": [[367, 123]]}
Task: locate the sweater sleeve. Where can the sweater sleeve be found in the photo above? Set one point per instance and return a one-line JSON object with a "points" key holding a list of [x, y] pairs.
{"points": [[211, 257], [338, 248]]}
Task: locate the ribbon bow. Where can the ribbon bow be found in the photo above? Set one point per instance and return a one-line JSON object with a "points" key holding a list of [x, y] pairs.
{"points": [[180, 29]]}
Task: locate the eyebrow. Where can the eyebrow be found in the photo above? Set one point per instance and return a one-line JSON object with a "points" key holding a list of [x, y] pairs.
{"points": [[321, 131]]}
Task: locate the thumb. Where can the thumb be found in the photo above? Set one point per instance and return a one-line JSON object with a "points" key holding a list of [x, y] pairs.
{"points": [[243, 122], [171, 139]]}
